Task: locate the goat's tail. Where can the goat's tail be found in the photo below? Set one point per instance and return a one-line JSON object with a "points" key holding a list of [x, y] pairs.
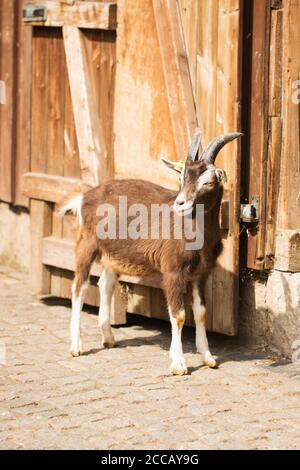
{"points": [[72, 204]]}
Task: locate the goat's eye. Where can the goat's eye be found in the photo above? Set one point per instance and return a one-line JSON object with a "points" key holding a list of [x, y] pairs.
{"points": [[209, 185]]}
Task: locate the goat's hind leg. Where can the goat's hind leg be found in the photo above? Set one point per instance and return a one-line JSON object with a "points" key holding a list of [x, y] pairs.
{"points": [[199, 311], [85, 255], [107, 284]]}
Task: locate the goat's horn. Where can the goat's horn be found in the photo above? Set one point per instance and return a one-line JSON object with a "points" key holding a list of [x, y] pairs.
{"points": [[214, 147], [194, 147]]}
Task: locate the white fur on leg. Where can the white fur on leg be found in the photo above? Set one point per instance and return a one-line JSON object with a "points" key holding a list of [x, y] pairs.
{"points": [[178, 366], [107, 284], [201, 338], [77, 303]]}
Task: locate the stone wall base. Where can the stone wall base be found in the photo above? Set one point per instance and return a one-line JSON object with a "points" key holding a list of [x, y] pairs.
{"points": [[270, 311], [14, 237]]}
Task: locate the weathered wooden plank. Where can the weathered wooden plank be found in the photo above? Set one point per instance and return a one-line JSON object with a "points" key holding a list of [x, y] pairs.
{"points": [[84, 14], [143, 129], [101, 58], [177, 74], [289, 203], [189, 15], [39, 100], [228, 119], [56, 103], [258, 147], [56, 107], [8, 34], [51, 188], [275, 88], [90, 136], [273, 186], [23, 118], [40, 219], [207, 55]]}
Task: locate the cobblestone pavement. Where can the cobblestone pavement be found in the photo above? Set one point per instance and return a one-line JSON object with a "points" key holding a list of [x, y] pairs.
{"points": [[123, 398]]}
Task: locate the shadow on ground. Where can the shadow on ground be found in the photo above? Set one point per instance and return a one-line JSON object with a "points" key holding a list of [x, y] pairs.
{"points": [[157, 333]]}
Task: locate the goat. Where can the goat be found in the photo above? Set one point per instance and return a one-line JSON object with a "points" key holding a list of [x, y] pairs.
{"points": [[180, 269]]}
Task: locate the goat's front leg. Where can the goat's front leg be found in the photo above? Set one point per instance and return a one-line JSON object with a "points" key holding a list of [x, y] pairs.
{"points": [[175, 299], [199, 311], [107, 284]]}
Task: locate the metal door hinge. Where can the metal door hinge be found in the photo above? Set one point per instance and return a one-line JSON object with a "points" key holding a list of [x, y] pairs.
{"points": [[34, 12], [250, 212]]}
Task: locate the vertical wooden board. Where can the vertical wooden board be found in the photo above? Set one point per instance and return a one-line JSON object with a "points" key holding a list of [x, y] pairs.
{"points": [[275, 87], [118, 315], [258, 138], [101, 57], [275, 133], [55, 139], [57, 231], [176, 72], [289, 204], [189, 15], [41, 226], [23, 118], [206, 86], [207, 67], [56, 102], [273, 185], [39, 122], [228, 119], [8, 32], [142, 125]]}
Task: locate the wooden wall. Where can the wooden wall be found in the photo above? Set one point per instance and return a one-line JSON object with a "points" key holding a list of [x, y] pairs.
{"points": [[15, 63]]}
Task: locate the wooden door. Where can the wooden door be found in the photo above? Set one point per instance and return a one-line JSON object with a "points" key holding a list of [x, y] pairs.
{"points": [[178, 66], [72, 105]]}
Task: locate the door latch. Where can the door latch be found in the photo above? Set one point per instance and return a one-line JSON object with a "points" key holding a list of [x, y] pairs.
{"points": [[250, 212], [34, 12]]}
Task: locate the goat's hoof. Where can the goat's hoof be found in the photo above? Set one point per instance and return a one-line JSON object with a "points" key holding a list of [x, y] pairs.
{"points": [[178, 369], [210, 362], [75, 353], [109, 343]]}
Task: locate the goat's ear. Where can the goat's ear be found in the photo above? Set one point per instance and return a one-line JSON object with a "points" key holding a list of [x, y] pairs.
{"points": [[176, 166]]}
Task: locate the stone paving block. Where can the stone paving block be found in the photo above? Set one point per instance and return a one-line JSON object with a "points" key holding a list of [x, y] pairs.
{"points": [[124, 398]]}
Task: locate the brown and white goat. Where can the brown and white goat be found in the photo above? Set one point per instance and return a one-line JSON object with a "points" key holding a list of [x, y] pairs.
{"points": [[180, 269]]}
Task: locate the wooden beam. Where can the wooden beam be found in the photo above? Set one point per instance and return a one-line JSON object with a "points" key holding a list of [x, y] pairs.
{"points": [[90, 135], [176, 72], [93, 15], [51, 188]]}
